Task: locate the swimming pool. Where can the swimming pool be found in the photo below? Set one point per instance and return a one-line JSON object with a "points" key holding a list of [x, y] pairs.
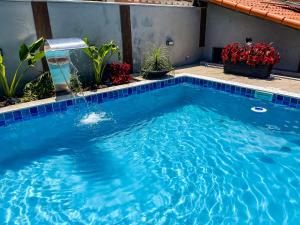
{"points": [[183, 154]]}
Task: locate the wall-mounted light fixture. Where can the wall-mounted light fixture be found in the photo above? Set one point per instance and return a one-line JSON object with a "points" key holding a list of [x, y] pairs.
{"points": [[169, 42]]}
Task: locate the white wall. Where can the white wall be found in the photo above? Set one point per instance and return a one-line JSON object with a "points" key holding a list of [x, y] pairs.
{"points": [[99, 22], [225, 26], [17, 27], [153, 25]]}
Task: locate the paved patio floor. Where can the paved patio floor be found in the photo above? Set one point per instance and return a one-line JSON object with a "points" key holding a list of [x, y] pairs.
{"points": [[276, 83]]}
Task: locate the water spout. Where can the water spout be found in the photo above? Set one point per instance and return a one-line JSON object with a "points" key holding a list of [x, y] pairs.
{"points": [[57, 53]]}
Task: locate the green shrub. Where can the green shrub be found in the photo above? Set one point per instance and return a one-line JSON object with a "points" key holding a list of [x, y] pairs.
{"points": [[156, 60], [28, 55], [100, 56], [40, 88]]}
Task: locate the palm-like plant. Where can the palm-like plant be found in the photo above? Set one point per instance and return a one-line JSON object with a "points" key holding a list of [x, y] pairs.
{"points": [[27, 54], [100, 56], [156, 61]]}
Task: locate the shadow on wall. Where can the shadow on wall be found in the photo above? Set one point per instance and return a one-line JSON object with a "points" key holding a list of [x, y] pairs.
{"points": [[153, 26]]}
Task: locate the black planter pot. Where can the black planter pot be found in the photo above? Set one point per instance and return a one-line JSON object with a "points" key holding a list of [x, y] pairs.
{"points": [[243, 69], [155, 74]]}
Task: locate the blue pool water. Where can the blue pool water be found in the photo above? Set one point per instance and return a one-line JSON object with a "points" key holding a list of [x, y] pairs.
{"points": [[178, 155]]}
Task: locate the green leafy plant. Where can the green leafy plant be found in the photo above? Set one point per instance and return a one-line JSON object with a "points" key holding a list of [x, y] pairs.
{"points": [[75, 83], [27, 54], [157, 60], [100, 56], [41, 87]]}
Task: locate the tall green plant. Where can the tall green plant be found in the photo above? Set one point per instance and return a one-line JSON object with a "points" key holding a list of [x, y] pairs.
{"points": [[100, 56], [27, 54], [156, 60]]}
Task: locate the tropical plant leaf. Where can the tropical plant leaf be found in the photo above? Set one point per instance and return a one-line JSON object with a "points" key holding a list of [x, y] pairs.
{"points": [[36, 57], [99, 56], [23, 52], [36, 45], [88, 52]]}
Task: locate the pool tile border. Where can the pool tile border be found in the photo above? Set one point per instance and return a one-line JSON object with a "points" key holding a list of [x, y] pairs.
{"points": [[45, 109]]}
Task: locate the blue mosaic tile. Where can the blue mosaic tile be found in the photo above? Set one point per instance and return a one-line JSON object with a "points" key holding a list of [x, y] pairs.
{"points": [[78, 101], [17, 115], [100, 97], [70, 102], [49, 108], [88, 98], [228, 88], [248, 93], [94, 99], [110, 95], [214, 85], [2, 120], [41, 109], [238, 90], [286, 100], [33, 111], [63, 106], [125, 92], [9, 118], [223, 87], [293, 102], [56, 107], [232, 89], [26, 115]]}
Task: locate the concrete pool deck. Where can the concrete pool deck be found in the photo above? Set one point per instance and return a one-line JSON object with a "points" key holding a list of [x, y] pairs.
{"points": [[275, 84]]}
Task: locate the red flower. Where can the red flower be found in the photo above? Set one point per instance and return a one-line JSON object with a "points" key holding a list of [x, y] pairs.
{"points": [[254, 54], [120, 73]]}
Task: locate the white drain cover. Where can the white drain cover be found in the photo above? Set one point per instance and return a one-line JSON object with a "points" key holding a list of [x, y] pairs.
{"points": [[259, 109]]}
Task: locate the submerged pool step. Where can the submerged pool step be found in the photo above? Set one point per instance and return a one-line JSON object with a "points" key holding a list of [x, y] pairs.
{"points": [[263, 95]]}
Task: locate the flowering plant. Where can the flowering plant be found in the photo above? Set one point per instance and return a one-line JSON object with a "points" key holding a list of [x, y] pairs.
{"points": [[253, 54], [120, 73]]}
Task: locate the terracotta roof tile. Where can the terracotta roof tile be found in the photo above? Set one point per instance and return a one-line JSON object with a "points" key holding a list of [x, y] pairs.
{"points": [[274, 10]]}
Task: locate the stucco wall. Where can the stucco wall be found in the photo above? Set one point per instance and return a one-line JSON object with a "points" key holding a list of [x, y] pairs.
{"points": [[99, 22], [153, 25], [225, 26], [17, 27]]}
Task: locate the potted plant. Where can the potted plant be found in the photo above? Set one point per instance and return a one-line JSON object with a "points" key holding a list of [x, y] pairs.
{"points": [[157, 63], [253, 60]]}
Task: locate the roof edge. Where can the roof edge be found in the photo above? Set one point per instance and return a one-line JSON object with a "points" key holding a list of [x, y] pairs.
{"points": [[258, 13]]}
